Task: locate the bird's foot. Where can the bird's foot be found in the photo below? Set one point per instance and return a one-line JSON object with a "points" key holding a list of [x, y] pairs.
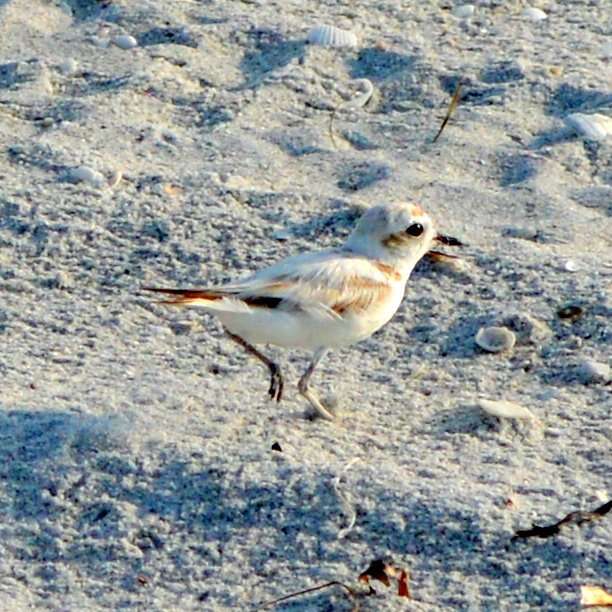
{"points": [[277, 383]]}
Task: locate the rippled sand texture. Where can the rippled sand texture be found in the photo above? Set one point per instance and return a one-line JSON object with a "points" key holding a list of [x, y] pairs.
{"points": [[184, 143]]}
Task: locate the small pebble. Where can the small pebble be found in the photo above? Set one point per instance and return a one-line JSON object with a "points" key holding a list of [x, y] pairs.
{"points": [[570, 312], [571, 266], [464, 11], [85, 174], [504, 409], [68, 67], [534, 14], [606, 50], [590, 371], [495, 339], [282, 234], [124, 41]]}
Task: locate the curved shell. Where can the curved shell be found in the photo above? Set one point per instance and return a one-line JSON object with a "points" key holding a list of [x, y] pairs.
{"points": [[592, 127], [534, 14], [503, 409], [495, 339], [331, 36]]}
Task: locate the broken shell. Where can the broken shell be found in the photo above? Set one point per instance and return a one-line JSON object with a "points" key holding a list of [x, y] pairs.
{"points": [[331, 36], [464, 11], [115, 178], [534, 14], [591, 127], [504, 409], [590, 371], [85, 174], [495, 339], [571, 266]]}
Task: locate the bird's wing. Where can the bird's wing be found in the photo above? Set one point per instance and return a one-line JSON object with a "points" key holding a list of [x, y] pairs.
{"points": [[331, 283]]}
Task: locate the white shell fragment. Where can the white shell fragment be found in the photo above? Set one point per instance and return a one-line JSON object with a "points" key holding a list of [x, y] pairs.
{"points": [[591, 127], [125, 41], [571, 266], [590, 371], [331, 36], [69, 67], [85, 174], [495, 339], [534, 14], [464, 11], [503, 409]]}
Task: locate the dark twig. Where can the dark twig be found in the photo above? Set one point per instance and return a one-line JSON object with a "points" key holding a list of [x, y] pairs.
{"points": [[451, 109], [573, 518], [351, 593]]}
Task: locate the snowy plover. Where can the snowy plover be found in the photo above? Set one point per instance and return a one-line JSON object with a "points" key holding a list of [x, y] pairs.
{"points": [[325, 299]]}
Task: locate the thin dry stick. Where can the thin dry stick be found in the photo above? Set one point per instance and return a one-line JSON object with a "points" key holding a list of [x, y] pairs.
{"points": [[451, 109], [320, 587]]}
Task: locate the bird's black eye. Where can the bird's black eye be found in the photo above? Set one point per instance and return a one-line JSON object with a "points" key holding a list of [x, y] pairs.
{"points": [[416, 229]]}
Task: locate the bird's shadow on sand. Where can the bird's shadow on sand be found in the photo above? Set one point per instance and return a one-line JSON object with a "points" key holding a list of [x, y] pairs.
{"points": [[66, 472]]}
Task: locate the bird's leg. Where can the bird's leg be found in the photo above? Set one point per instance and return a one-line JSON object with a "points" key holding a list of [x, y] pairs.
{"points": [[276, 378], [311, 395]]}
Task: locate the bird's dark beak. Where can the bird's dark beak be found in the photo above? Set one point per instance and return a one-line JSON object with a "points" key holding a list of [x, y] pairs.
{"points": [[448, 240]]}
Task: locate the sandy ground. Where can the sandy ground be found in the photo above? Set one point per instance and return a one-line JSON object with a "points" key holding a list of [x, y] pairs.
{"points": [[136, 469]]}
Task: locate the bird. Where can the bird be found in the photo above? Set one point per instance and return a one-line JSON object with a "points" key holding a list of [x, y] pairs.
{"points": [[325, 299]]}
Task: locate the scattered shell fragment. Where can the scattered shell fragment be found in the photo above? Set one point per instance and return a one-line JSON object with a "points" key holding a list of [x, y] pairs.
{"points": [[85, 174], [464, 11], [115, 178], [534, 14], [571, 266], [495, 339], [594, 596], [590, 371], [527, 328], [331, 36], [594, 126], [282, 234], [503, 409], [570, 312], [68, 67], [124, 41]]}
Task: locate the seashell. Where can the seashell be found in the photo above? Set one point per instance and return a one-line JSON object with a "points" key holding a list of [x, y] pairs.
{"points": [[503, 409], [331, 36], [571, 266], [85, 174], [124, 41], [464, 11], [68, 67], [534, 14], [495, 339], [592, 127]]}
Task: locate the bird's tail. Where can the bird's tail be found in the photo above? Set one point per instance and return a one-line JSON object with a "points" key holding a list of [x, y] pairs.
{"points": [[210, 299]]}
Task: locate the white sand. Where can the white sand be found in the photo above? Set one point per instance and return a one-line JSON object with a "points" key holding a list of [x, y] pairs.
{"points": [[136, 470]]}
